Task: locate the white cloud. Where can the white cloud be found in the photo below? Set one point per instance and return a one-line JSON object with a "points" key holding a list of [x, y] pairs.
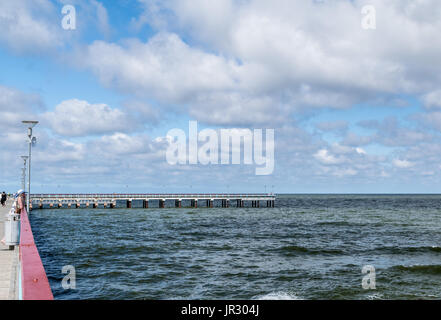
{"points": [[402, 164], [432, 99], [29, 25], [254, 56], [16, 106], [325, 157], [81, 118], [165, 67]]}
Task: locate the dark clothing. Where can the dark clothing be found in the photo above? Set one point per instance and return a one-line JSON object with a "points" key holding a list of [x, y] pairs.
{"points": [[3, 198]]}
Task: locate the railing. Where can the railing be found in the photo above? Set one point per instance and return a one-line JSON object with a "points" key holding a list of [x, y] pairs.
{"points": [[34, 282], [150, 196]]}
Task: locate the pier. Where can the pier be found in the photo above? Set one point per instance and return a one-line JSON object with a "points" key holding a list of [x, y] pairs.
{"points": [[8, 262], [58, 201], [22, 274]]}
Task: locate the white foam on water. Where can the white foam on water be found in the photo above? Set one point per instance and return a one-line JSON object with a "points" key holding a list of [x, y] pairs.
{"points": [[375, 296], [280, 295]]}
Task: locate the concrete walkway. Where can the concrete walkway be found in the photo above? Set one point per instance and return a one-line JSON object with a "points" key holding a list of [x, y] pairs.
{"points": [[8, 261]]}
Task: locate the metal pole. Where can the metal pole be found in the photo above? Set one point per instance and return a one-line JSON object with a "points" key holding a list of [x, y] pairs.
{"points": [[23, 173], [30, 125], [23, 179], [29, 169]]}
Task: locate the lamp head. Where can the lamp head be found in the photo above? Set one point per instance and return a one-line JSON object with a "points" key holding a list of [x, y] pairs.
{"points": [[30, 123]]}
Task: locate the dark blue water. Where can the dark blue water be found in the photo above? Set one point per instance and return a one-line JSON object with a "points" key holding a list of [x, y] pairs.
{"points": [[308, 247]]}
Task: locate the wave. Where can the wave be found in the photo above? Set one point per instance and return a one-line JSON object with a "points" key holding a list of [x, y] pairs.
{"points": [[401, 250], [336, 223], [304, 250], [279, 295], [425, 269]]}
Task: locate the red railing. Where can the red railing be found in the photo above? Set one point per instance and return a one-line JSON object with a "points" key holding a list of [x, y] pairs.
{"points": [[34, 282]]}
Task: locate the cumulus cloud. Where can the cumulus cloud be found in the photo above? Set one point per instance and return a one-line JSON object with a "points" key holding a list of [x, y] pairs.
{"points": [[392, 132], [432, 100], [325, 157], [34, 26], [255, 56], [165, 67], [15, 106], [121, 143], [80, 118], [29, 25], [402, 164], [242, 64]]}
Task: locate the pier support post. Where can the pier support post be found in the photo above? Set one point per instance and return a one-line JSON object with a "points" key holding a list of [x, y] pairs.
{"points": [[178, 203], [41, 205], [161, 203], [227, 203], [211, 203], [145, 204], [258, 203], [129, 204]]}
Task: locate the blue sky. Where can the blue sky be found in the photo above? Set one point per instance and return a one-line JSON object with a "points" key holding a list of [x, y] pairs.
{"points": [[353, 110]]}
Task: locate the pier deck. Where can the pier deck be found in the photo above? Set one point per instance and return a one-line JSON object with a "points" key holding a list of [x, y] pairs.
{"points": [[8, 261], [110, 200]]}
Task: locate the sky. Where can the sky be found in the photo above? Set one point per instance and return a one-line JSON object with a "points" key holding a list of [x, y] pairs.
{"points": [[354, 109]]}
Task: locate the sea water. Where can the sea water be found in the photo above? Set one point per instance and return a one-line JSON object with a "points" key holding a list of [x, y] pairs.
{"points": [[307, 247]]}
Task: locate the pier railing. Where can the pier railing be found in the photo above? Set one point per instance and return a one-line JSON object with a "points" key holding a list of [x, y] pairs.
{"points": [[152, 195], [111, 199], [34, 282]]}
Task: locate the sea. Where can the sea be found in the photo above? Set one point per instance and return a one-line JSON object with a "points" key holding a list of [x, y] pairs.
{"points": [[316, 247]]}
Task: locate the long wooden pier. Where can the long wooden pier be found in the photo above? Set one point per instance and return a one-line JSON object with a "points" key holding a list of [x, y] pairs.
{"points": [[43, 201]]}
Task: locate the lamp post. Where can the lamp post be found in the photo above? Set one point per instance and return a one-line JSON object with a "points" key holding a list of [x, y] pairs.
{"points": [[23, 175], [32, 140]]}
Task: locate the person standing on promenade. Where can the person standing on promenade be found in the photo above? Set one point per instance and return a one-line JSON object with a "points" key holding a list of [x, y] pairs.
{"points": [[19, 204], [20, 200], [3, 199]]}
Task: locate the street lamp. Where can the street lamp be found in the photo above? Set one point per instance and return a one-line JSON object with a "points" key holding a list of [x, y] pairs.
{"points": [[32, 140], [23, 175]]}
